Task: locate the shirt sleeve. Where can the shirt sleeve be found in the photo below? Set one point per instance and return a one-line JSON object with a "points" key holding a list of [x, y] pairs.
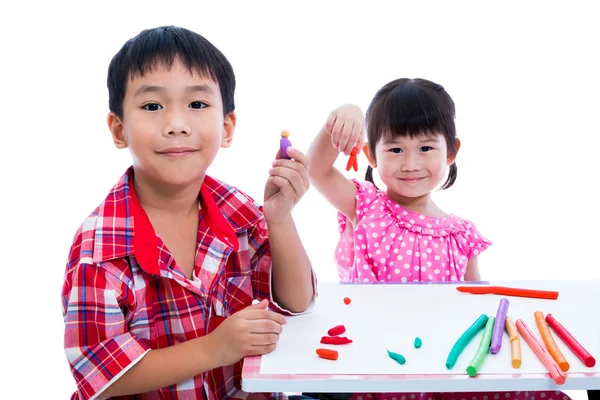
{"points": [[475, 243], [98, 345], [261, 264]]}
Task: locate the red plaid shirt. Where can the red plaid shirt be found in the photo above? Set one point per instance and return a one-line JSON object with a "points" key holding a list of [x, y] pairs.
{"points": [[123, 297]]}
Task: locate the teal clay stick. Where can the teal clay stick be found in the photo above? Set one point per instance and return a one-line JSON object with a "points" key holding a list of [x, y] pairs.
{"points": [[464, 340], [398, 357], [484, 348]]}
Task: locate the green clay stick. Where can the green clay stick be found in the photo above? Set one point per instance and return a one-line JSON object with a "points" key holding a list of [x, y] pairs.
{"points": [[464, 340], [398, 357], [484, 348]]}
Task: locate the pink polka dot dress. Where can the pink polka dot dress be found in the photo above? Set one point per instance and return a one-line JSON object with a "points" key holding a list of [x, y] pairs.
{"points": [[392, 244]]}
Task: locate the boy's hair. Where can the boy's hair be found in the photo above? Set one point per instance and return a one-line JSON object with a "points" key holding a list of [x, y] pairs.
{"points": [[412, 107], [162, 46]]}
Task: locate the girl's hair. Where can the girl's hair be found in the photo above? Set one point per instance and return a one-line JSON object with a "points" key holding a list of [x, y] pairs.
{"points": [[411, 107]]}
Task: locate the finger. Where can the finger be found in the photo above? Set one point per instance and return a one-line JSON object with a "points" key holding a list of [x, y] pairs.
{"points": [[264, 339], [293, 178], [285, 187], [298, 165], [330, 122], [260, 350], [262, 305], [264, 326], [266, 315], [345, 138], [336, 133], [278, 155], [354, 138]]}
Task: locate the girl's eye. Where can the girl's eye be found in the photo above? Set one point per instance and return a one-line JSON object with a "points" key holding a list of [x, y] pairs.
{"points": [[426, 148], [152, 107], [396, 150], [197, 104]]}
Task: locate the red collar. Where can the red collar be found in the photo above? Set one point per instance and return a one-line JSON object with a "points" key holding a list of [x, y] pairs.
{"points": [[145, 241]]}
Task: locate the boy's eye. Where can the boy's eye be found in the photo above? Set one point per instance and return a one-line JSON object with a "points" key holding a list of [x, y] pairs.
{"points": [[197, 104], [396, 150], [426, 148], [152, 107]]}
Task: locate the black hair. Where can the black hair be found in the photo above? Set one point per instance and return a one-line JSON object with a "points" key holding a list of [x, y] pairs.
{"points": [[163, 45], [412, 107]]}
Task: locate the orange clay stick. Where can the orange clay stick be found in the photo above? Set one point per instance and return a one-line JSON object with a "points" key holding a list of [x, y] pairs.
{"points": [[327, 354], [515, 343], [549, 341]]}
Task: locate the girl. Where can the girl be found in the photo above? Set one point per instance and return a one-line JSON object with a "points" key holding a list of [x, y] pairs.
{"points": [[399, 234]]}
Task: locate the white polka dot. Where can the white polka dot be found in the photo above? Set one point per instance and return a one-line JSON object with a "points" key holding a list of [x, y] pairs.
{"points": [[359, 236], [365, 266], [404, 213], [374, 234], [382, 224], [436, 271], [496, 396], [376, 244], [387, 247], [416, 268], [417, 254], [421, 217], [507, 395], [396, 251], [412, 396], [403, 244], [474, 398], [403, 398], [406, 266], [412, 221], [399, 257], [485, 397], [542, 395], [397, 271], [378, 252], [565, 397], [429, 250], [423, 269], [369, 395], [359, 398], [382, 260], [430, 276], [409, 252], [403, 279], [424, 255], [389, 277], [411, 239], [362, 246]]}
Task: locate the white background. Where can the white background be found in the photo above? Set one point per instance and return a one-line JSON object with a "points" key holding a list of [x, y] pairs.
{"points": [[523, 75]]}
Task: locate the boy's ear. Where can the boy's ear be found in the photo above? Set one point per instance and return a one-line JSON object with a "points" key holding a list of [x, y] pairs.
{"points": [[452, 157], [116, 129], [228, 129], [370, 157]]}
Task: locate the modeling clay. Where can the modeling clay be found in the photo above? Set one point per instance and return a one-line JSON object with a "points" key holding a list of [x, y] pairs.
{"points": [[418, 342], [284, 143], [549, 341], [352, 161], [570, 341], [464, 340], [506, 291], [335, 340], [336, 330], [347, 300], [515, 343], [499, 326], [484, 348], [327, 354], [398, 357]]}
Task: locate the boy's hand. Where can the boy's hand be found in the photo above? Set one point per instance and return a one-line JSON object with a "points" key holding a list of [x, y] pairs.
{"points": [[252, 331], [287, 183], [346, 125]]}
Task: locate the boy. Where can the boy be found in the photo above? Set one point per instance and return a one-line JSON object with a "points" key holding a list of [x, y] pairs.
{"points": [[158, 291]]}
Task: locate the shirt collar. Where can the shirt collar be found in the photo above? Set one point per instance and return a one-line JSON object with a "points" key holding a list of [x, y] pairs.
{"points": [[124, 229]]}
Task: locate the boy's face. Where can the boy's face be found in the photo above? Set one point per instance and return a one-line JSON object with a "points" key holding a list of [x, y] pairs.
{"points": [[173, 125]]}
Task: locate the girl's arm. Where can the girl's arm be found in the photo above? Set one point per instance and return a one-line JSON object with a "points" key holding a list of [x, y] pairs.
{"points": [[472, 273], [343, 131]]}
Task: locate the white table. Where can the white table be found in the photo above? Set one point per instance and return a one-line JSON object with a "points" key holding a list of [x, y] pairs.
{"points": [[388, 317]]}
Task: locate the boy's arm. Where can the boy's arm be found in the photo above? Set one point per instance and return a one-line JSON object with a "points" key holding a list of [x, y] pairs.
{"points": [[342, 130], [292, 276], [105, 358]]}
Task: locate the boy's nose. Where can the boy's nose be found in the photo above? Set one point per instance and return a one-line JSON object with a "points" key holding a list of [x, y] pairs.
{"points": [[177, 125]]}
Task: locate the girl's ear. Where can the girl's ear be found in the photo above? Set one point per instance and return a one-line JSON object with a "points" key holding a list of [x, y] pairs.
{"points": [[452, 157], [367, 150]]}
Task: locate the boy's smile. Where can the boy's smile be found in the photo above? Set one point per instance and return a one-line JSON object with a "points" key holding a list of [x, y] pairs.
{"points": [[173, 125]]}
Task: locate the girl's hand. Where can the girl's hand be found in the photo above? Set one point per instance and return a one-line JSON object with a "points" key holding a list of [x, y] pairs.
{"points": [[346, 125]]}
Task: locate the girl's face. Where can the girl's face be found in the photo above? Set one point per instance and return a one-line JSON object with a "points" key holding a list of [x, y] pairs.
{"points": [[412, 168]]}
